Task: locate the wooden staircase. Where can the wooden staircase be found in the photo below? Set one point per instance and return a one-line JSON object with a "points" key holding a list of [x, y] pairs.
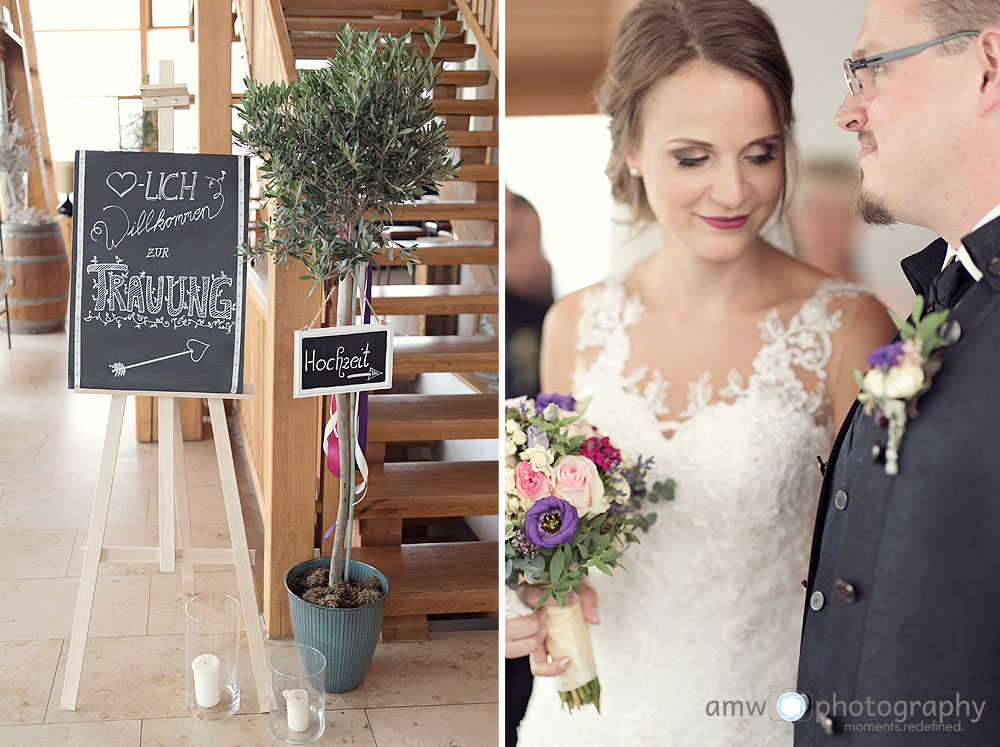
{"points": [[456, 239]]}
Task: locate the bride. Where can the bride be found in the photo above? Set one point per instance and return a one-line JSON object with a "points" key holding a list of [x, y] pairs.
{"points": [[727, 361]]}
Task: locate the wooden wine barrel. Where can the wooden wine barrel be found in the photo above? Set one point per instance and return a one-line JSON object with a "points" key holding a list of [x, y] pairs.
{"points": [[39, 294]]}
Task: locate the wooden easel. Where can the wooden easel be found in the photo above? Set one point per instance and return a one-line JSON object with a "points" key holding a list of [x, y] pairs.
{"points": [[172, 551], [173, 498]]}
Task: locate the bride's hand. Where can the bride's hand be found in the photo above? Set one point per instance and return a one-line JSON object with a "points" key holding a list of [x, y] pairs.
{"points": [[526, 634]]}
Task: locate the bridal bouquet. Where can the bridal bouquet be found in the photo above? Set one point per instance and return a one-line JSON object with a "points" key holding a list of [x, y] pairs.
{"points": [[573, 502]]}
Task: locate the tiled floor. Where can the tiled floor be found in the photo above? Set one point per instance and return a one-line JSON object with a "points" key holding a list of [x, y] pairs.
{"points": [[440, 692]]}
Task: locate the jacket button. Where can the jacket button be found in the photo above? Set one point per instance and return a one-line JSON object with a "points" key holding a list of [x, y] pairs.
{"points": [[994, 267], [840, 500], [950, 332], [816, 601], [846, 591], [826, 724]]}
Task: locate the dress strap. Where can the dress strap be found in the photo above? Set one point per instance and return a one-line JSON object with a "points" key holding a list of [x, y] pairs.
{"points": [[605, 315]]}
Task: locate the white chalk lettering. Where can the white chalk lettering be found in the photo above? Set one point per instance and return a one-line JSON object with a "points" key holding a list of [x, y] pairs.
{"points": [[203, 301], [339, 362], [118, 225]]}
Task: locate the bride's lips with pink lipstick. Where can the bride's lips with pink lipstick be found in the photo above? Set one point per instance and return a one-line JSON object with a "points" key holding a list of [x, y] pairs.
{"points": [[727, 223]]}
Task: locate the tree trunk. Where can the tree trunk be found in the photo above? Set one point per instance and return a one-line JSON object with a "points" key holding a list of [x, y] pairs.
{"points": [[345, 297]]}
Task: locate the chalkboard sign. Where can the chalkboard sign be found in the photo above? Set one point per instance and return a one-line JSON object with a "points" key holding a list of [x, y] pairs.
{"points": [[157, 285], [342, 359]]}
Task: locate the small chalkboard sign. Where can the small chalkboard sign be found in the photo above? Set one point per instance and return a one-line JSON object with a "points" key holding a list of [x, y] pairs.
{"points": [[342, 359], [157, 283]]}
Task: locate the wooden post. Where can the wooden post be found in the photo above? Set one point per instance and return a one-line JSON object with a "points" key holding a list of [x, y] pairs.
{"points": [[213, 33]]}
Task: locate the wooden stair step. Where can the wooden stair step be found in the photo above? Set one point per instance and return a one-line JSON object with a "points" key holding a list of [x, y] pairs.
{"points": [[312, 49], [432, 417], [436, 253], [430, 489], [431, 209], [478, 172], [436, 299], [374, 6], [464, 78], [445, 353], [473, 138], [329, 25], [436, 577], [472, 107]]}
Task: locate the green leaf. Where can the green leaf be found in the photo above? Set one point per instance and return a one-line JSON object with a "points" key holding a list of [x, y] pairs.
{"points": [[556, 566], [896, 318], [918, 308]]}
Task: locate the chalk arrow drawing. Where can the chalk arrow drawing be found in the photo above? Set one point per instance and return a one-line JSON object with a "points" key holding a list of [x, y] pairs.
{"points": [[195, 348], [370, 375]]}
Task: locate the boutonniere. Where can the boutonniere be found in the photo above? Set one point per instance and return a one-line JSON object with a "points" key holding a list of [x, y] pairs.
{"points": [[900, 373]]}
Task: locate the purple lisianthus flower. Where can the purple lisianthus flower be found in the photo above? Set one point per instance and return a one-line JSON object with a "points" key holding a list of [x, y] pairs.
{"points": [[537, 438], [885, 356], [551, 522], [563, 401]]}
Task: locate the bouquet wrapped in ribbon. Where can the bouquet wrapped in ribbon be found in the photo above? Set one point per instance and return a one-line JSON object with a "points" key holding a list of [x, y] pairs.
{"points": [[573, 503]]}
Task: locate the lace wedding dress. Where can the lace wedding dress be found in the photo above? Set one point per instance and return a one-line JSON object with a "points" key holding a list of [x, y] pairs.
{"points": [[710, 608]]}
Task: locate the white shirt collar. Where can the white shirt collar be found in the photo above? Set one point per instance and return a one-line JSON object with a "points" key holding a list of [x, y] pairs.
{"points": [[963, 254]]}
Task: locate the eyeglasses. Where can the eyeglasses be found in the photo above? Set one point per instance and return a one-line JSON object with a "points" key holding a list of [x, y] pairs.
{"points": [[852, 66]]}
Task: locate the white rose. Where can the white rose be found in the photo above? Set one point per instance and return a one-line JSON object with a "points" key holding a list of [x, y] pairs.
{"points": [[510, 447], [903, 382], [513, 504], [874, 383], [510, 486], [511, 461], [517, 434], [539, 457]]}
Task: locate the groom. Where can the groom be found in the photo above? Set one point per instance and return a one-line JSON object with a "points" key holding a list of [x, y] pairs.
{"points": [[901, 638]]}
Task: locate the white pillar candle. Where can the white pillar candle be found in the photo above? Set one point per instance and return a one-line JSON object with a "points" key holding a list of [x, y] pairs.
{"points": [[298, 709], [206, 680]]}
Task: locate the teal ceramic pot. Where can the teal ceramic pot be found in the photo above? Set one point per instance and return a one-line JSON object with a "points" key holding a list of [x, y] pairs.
{"points": [[347, 637]]}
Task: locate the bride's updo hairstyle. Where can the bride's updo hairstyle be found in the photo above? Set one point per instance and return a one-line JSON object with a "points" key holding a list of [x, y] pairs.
{"points": [[658, 38]]}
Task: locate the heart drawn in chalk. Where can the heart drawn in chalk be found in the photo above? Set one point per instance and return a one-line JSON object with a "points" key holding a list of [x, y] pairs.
{"points": [[119, 182]]}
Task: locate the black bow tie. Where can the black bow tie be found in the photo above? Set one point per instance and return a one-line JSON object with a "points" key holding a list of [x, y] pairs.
{"points": [[948, 286]]}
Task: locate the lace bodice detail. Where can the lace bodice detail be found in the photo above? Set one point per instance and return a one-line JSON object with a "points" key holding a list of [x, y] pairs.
{"points": [[710, 608], [802, 346]]}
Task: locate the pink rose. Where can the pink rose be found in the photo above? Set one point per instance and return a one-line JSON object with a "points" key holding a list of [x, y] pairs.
{"points": [[531, 484], [578, 482]]}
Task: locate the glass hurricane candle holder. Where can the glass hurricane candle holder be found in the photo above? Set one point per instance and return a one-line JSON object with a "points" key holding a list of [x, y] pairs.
{"points": [[212, 656], [298, 693]]}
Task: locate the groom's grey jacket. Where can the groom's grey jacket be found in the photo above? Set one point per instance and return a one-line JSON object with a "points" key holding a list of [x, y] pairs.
{"points": [[902, 612]]}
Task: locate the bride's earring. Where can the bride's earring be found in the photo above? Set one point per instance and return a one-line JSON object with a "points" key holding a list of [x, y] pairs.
{"points": [[633, 171]]}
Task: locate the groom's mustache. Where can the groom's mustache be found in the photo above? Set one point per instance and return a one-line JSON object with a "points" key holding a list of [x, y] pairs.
{"points": [[865, 137]]}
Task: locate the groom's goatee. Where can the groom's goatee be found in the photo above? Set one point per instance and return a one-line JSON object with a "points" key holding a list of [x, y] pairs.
{"points": [[869, 208]]}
